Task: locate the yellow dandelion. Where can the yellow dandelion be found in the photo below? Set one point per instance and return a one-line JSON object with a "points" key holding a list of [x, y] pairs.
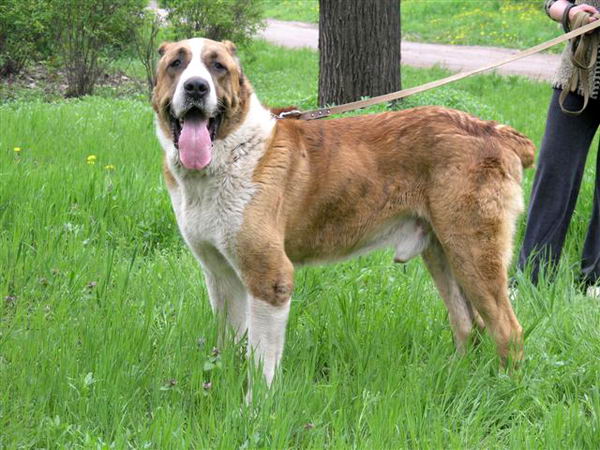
{"points": [[17, 149], [109, 167], [91, 159]]}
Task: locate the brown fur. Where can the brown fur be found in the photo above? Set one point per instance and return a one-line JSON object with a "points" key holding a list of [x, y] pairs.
{"points": [[327, 186], [167, 78]]}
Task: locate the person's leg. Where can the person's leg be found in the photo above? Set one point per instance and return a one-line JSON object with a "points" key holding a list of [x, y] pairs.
{"points": [[590, 262], [557, 180]]}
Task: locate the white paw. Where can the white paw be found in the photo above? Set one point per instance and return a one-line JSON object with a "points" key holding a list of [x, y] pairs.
{"points": [[593, 291]]}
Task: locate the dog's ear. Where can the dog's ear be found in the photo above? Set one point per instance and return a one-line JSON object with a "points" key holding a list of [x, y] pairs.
{"points": [[230, 46], [163, 48]]}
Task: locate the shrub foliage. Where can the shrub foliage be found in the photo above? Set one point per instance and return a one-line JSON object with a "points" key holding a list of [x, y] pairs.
{"points": [[23, 31], [87, 30], [144, 40], [82, 36], [236, 20]]}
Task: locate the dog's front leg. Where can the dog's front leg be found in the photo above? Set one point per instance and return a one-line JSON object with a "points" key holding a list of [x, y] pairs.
{"points": [[227, 294], [266, 334], [228, 299], [269, 277]]}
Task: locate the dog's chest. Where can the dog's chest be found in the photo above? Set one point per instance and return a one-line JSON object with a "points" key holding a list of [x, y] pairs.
{"points": [[210, 210]]}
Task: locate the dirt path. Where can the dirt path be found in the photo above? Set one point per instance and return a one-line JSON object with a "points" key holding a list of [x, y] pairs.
{"points": [[453, 57]]}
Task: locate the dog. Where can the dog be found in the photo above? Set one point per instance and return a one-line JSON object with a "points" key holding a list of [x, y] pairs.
{"points": [[255, 196]]}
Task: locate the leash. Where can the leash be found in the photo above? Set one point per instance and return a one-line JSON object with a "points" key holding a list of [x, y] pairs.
{"points": [[583, 55], [324, 112]]}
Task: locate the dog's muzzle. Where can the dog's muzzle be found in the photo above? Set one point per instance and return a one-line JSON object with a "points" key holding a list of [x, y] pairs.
{"points": [[196, 89], [194, 127]]}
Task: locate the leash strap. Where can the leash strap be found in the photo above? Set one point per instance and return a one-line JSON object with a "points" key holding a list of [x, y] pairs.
{"points": [[583, 55], [324, 112]]}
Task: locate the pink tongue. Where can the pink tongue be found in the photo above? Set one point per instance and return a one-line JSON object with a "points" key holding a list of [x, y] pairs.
{"points": [[194, 144]]}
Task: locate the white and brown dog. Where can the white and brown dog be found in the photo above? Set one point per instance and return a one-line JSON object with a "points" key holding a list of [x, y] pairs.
{"points": [[255, 196]]}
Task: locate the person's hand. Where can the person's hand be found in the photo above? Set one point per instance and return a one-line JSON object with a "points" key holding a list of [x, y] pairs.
{"points": [[584, 7]]}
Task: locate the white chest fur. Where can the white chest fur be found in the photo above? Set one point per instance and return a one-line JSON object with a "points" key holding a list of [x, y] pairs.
{"points": [[209, 205], [210, 210]]}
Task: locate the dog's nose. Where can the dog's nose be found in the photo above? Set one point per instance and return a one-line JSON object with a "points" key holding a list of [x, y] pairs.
{"points": [[196, 87]]}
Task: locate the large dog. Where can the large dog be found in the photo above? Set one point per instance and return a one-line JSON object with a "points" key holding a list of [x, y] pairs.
{"points": [[255, 196]]}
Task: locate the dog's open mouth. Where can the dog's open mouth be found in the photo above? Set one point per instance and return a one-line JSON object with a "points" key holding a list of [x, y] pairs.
{"points": [[193, 135]]}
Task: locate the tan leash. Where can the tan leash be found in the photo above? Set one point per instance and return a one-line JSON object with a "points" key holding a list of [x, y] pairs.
{"points": [[324, 112]]}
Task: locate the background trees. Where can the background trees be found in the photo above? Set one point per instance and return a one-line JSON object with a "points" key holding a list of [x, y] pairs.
{"points": [[359, 44], [23, 25], [235, 20], [78, 40], [86, 31]]}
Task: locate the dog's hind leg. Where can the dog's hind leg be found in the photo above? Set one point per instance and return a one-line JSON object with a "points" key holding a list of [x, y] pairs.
{"points": [[473, 209], [478, 257], [461, 314], [484, 281]]}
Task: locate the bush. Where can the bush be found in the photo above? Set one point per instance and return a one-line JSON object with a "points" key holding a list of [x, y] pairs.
{"points": [[23, 27], [236, 20], [145, 42], [88, 30]]}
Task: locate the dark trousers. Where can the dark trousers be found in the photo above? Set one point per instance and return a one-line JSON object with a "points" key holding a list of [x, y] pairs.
{"points": [[555, 188]]}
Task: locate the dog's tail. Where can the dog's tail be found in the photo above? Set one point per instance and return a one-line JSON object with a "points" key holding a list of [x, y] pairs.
{"points": [[518, 143]]}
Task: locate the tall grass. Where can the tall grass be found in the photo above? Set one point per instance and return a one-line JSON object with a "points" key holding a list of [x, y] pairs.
{"points": [[107, 339]]}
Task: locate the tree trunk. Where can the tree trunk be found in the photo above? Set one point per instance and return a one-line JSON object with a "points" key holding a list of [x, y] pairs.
{"points": [[359, 45]]}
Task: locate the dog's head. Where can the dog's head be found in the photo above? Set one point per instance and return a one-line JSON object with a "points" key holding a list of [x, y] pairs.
{"points": [[200, 96]]}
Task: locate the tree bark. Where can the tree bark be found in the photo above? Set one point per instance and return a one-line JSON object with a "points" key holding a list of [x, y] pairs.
{"points": [[359, 46]]}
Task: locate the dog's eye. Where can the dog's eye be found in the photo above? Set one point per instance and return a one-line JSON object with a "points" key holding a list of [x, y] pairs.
{"points": [[217, 65], [175, 63]]}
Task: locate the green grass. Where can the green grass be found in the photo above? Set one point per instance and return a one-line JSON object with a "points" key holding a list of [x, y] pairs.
{"points": [[298, 10], [107, 336], [513, 23]]}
